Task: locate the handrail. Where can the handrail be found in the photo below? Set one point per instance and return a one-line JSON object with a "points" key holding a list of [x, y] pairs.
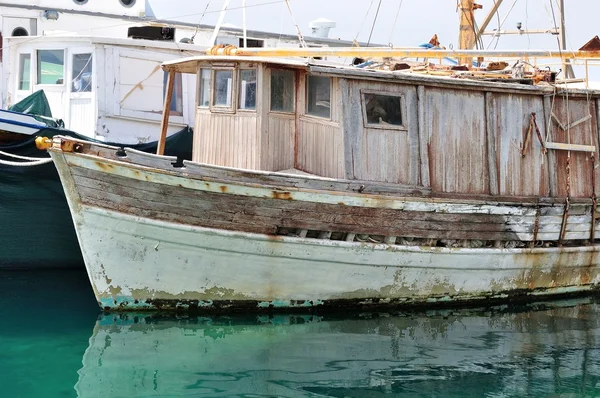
{"points": [[397, 52]]}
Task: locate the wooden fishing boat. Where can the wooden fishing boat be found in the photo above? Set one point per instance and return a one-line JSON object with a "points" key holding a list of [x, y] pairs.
{"points": [[319, 185]]}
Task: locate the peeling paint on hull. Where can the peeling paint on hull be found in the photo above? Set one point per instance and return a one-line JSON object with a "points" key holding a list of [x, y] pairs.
{"points": [[141, 264]]}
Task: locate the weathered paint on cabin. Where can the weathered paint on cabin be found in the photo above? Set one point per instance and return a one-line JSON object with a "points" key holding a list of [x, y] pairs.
{"points": [[454, 138]]}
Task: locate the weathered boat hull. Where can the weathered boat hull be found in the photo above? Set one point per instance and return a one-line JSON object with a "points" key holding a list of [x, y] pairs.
{"points": [[37, 227], [137, 263], [169, 239]]}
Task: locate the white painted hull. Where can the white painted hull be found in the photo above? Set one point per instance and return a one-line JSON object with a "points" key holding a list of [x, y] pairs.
{"points": [[19, 123], [140, 263]]}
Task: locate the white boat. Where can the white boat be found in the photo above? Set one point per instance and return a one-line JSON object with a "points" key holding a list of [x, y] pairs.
{"points": [[19, 123], [321, 185]]}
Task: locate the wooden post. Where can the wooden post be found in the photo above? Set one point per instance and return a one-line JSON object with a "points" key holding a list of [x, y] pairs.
{"points": [[466, 35], [164, 125]]}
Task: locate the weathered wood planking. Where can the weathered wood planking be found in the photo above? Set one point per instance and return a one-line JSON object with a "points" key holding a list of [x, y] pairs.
{"points": [[509, 118], [227, 139], [568, 111], [320, 147], [375, 154], [277, 150], [265, 215], [455, 123]]}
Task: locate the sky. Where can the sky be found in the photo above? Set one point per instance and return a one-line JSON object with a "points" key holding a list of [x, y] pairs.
{"points": [[401, 22]]}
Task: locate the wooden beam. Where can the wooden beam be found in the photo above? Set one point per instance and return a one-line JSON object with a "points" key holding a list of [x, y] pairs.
{"points": [[488, 19], [164, 125]]}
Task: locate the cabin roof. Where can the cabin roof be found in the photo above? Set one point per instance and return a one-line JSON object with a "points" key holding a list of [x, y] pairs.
{"points": [[64, 39], [190, 64]]}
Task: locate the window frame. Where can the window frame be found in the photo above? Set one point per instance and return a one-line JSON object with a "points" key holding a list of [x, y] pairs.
{"points": [[233, 105], [239, 90], [363, 106], [306, 97], [38, 69], [294, 89], [31, 70], [200, 87], [71, 74]]}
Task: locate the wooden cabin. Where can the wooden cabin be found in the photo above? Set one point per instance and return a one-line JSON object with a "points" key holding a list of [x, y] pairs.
{"points": [[450, 135]]}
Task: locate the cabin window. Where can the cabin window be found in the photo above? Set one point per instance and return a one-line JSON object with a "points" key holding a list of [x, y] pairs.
{"points": [[24, 71], [282, 90], [318, 96], [177, 98], [251, 43], [204, 96], [382, 110], [50, 67], [82, 73], [223, 88], [247, 99]]}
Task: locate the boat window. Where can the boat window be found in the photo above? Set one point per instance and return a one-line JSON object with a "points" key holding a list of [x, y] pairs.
{"points": [[18, 32], [223, 88], [177, 98], [82, 73], [24, 71], [282, 90], [204, 98], [382, 110], [50, 67], [247, 94], [318, 96]]}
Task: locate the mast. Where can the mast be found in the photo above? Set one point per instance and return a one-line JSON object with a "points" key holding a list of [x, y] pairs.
{"points": [[466, 34], [562, 40]]}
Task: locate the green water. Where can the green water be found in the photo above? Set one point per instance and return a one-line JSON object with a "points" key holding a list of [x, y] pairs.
{"points": [[55, 343]]}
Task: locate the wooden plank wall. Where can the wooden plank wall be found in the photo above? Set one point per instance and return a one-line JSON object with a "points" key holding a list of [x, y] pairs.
{"points": [[277, 149], [469, 141], [320, 142], [226, 139], [320, 148], [456, 138], [569, 111], [507, 123], [373, 154]]}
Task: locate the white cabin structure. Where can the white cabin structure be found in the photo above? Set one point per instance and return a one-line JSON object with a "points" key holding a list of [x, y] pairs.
{"points": [[99, 86]]}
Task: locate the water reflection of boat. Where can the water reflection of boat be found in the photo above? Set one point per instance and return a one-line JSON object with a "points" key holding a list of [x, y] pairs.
{"points": [[541, 351]]}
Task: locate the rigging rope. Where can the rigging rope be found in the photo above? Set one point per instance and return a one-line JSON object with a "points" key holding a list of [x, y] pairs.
{"points": [[199, 21], [364, 20], [300, 37], [374, 21], [502, 23], [395, 20]]}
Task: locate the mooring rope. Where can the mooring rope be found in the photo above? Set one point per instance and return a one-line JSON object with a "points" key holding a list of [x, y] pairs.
{"points": [[12, 155], [26, 164]]}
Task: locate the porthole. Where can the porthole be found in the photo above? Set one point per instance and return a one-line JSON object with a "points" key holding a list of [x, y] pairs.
{"points": [[127, 3], [20, 32], [80, 2]]}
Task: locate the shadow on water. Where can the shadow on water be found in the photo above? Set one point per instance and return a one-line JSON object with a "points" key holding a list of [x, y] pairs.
{"points": [[54, 342]]}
